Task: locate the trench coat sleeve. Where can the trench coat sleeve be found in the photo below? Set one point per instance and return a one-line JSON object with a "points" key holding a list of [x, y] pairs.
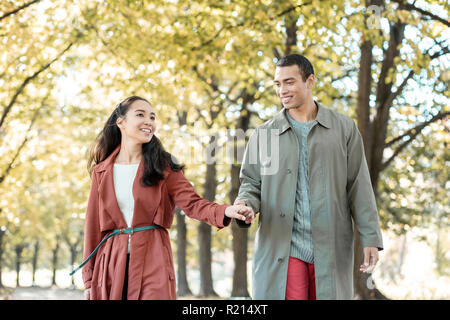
{"points": [[360, 194], [250, 175], [184, 196], [92, 232]]}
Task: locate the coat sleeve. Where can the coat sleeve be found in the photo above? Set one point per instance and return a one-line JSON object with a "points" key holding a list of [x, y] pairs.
{"points": [[360, 194], [92, 232], [184, 196], [250, 175]]}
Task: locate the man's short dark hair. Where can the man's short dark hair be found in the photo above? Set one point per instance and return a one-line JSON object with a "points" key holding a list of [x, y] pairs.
{"points": [[306, 68]]}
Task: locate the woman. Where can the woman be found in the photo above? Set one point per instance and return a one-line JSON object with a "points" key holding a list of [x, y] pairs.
{"points": [[135, 187]]}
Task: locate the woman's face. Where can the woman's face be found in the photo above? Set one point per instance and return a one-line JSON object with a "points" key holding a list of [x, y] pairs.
{"points": [[139, 123]]}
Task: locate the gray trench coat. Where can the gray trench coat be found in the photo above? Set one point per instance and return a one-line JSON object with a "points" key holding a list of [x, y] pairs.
{"points": [[340, 193]]}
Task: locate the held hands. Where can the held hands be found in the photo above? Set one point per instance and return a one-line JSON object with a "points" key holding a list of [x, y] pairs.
{"points": [[370, 259], [240, 212]]}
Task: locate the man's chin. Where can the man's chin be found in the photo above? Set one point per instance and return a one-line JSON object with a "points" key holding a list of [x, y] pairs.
{"points": [[292, 106]]}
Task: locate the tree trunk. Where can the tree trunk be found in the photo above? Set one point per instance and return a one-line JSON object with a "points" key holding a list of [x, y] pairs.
{"points": [[183, 286], [240, 244], [2, 234], [204, 230], [18, 249], [403, 251], [73, 257], [383, 103], [55, 262], [364, 90], [240, 235], [35, 262], [374, 134]]}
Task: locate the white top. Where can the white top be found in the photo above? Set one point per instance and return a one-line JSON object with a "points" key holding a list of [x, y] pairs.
{"points": [[124, 175]]}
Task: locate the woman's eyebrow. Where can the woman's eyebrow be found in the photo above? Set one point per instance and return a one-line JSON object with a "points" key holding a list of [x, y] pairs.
{"points": [[140, 110]]}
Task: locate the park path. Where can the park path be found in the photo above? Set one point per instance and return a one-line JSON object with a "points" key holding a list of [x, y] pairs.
{"points": [[42, 293], [38, 293]]}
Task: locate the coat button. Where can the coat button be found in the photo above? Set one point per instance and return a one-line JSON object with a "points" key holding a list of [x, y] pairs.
{"points": [[288, 171], [280, 259], [282, 214]]}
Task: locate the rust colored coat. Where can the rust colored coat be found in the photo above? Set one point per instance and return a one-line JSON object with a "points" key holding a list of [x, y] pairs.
{"points": [[151, 272]]}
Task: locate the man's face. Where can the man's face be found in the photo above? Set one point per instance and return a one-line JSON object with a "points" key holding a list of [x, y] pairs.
{"points": [[290, 87]]}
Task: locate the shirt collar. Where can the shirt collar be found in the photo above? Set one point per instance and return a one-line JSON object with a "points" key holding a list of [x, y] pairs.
{"points": [[281, 121]]}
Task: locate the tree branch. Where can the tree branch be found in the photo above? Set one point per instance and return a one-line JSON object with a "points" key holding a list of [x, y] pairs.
{"points": [[387, 103], [28, 80], [292, 9], [412, 7], [11, 163], [229, 27], [7, 14], [412, 134]]}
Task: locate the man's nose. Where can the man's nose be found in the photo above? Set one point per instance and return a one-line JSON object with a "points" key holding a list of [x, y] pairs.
{"points": [[283, 89]]}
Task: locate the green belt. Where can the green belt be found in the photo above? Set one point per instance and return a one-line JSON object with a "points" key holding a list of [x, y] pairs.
{"points": [[114, 233]]}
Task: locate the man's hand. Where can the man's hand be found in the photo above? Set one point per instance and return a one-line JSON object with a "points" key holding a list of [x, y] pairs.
{"points": [[240, 212], [370, 259], [250, 215]]}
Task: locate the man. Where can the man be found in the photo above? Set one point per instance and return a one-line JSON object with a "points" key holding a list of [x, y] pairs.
{"points": [[305, 172]]}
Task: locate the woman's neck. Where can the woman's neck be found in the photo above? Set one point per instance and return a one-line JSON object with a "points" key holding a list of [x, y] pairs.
{"points": [[129, 153]]}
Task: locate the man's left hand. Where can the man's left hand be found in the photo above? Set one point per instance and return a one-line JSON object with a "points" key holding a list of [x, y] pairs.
{"points": [[370, 259]]}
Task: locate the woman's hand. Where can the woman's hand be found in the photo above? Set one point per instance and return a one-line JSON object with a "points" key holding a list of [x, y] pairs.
{"points": [[87, 294], [240, 212]]}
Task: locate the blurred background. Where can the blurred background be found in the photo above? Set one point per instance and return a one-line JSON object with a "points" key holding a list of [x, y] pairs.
{"points": [[207, 67]]}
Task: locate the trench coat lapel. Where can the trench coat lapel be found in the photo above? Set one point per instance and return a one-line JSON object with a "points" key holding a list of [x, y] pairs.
{"points": [[107, 192], [146, 199]]}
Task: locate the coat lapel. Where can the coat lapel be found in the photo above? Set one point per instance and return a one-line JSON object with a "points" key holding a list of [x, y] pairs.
{"points": [[146, 199], [107, 192]]}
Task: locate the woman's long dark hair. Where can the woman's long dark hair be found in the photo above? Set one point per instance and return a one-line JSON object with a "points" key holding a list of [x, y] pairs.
{"points": [[156, 158]]}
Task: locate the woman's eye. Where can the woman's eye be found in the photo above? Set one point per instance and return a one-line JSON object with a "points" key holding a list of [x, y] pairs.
{"points": [[152, 118], [140, 114]]}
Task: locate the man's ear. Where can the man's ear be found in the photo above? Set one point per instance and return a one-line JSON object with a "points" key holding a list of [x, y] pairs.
{"points": [[310, 81]]}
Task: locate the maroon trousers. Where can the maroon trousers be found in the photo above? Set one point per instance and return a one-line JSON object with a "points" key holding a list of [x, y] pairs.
{"points": [[300, 283]]}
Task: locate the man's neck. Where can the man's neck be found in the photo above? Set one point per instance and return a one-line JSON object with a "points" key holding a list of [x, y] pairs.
{"points": [[304, 113]]}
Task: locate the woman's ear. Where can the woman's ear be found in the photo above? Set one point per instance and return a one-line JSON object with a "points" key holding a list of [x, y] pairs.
{"points": [[119, 122]]}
